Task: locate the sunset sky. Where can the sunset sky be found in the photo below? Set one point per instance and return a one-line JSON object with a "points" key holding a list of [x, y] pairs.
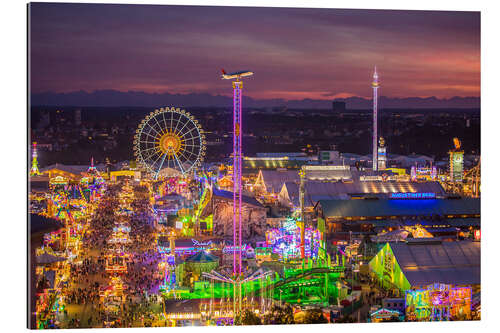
{"points": [[294, 53]]}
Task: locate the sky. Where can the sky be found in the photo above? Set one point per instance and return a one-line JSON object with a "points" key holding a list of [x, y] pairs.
{"points": [[294, 53]]}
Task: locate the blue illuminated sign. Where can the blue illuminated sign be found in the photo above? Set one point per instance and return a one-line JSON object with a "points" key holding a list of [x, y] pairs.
{"points": [[411, 195]]}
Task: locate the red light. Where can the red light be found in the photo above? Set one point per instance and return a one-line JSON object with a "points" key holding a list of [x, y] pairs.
{"points": [[477, 234]]}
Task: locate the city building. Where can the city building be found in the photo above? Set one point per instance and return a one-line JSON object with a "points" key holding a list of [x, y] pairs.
{"points": [[329, 157], [78, 117]]}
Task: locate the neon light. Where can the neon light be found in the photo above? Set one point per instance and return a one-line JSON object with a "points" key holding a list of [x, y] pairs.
{"points": [[237, 186], [438, 302], [237, 166], [286, 241], [196, 243], [413, 174], [411, 195]]}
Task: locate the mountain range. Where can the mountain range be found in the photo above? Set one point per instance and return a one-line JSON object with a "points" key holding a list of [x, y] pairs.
{"points": [[114, 98]]}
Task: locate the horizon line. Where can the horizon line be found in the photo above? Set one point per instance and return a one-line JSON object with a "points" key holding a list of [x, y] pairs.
{"points": [[247, 96]]}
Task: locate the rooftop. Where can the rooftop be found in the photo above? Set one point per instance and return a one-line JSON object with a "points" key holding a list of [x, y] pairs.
{"points": [[447, 262], [228, 195], [405, 207]]}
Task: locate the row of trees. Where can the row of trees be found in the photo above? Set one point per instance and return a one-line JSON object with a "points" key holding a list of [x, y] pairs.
{"points": [[282, 315]]}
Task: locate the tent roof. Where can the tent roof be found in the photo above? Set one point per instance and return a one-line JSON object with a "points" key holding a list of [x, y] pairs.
{"points": [[274, 179], [46, 258], [39, 223], [318, 190], [392, 236], [385, 207], [229, 196], [446, 262], [202, 257]]}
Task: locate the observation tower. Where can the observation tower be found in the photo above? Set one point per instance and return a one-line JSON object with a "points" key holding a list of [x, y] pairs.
{"points": [[375, 86]]}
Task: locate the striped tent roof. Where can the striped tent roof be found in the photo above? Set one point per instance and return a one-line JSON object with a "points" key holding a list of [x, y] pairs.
{"points": [[317, 190], [202, 257]]}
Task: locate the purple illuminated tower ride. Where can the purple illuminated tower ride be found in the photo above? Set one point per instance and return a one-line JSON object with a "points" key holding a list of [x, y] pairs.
{"points": [[237, 186], [237, 165], [375, 85]]}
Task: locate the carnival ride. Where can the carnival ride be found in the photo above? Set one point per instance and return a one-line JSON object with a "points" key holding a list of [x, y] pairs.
{"points": [[312, 282], [170, 185], [316, 284], [167, 269], [206, 197], [34, 171], [92, 183], [237, 276], [169, 138], [286, 241], [472, 179], [438, 302], [312, 278], [60, 207], [116, 262], [119, 237], [459, 180], [112, 299]]}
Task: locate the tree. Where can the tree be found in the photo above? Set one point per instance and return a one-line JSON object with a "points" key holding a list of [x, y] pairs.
{"points": [[345, 319], [279, 315], [315, 316], [250, 318]]}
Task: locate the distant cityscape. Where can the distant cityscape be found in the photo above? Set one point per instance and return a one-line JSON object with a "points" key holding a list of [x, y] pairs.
{"points": [[107, 132]]}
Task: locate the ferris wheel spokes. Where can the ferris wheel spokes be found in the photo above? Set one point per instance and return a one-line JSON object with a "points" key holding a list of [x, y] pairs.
{"points": [[159, 126], [161, 164], [151, 127], [180, 165], [154, 163], [148, 134]]}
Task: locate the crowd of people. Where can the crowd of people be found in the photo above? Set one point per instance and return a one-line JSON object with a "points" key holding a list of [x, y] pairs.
{"points": [[140, 304]]}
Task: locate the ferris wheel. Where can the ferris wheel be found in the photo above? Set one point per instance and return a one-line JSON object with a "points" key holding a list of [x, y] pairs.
{"points": [[169, 139]]}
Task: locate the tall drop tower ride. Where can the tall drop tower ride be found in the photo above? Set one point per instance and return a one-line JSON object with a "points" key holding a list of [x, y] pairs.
{"points": [[375, 86], [237, 185]]}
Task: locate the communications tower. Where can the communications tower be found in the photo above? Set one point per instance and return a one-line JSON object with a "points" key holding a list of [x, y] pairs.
{"points": [[34, 163], [375, 86]]}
